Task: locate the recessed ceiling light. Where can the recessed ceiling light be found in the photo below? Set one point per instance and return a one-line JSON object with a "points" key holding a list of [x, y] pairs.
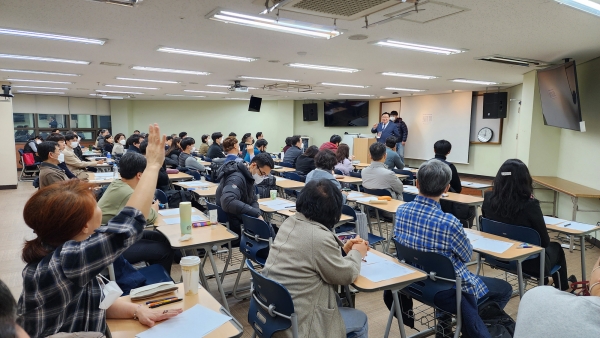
{"points": [[208, 55], [118, 92], [420, 48], [40, 58], [36, 72], [38, 92], [265, 79], [39, 81], [184, 95], [362, 95], [319, 67], [6, 31], [342, 85], [203, 91], [146, 80], [168, 70], [404, 89], [130, 87], [34, 87], [413, 76], [486, 83], [279, 24], [583, 5]]}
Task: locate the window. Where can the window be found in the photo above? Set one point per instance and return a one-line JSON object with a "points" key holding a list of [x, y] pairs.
{"points": [[47, 121], [104, 122], [87, 126], [22, 135], [83, 121]]}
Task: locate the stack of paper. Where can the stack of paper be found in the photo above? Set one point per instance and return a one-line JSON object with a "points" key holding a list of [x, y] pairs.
{"points": [[169, 212], [197, 184], [176, 220], [279, 204], [377, 269], [491, 245], [197, 321]]}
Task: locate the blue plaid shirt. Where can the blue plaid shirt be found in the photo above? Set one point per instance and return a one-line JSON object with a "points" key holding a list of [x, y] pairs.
{"points": [[61, 293], [422, 225]]}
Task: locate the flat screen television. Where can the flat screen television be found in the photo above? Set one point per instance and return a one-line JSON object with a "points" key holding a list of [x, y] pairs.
{"points": [[559, 94], [346, 113]]}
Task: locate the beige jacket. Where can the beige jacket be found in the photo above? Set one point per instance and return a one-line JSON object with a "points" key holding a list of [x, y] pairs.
{"points": [[50, 173], [75, 165], [306, 258]]}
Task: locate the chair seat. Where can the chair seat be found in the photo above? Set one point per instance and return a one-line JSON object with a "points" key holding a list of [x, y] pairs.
{"points": [[155, 274], [374, 239]]}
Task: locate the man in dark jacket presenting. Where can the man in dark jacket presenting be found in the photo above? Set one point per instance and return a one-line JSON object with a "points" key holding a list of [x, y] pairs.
{"points": [[403, 131], [236, 194]]}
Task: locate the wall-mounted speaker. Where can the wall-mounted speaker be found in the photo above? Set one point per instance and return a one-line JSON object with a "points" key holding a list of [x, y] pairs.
{"points": [[495, 105], [309, 112], [255, 103]]}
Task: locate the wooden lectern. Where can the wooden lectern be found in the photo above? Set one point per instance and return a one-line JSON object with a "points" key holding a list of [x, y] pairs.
{"points": [[361, 149]]}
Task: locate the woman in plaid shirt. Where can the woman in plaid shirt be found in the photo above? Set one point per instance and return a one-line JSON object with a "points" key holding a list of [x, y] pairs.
{"points": [[60, 289]]}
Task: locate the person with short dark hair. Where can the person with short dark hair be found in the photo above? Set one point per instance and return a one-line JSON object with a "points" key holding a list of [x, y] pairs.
{"points": [[403, 133], [378, 176], [206, 142], [259, 135], [136, 132], [169, 141], [232, 134], [442, 149], [55, 130], [333, 143], [247, 143], [385, 129], [342, 155], [232, 149], [288, 144], [325, 162], [119, 144], [8, 315], [393, 160], [182, 135], [261, 146], [511, 201], [53, 124], [306, 258], [100, 139], [216, 149], [76, 165], [109, 143], [31, 146], [236, 194], [422, 225], [51, 157], [60, 139], [306, 162], [185, 158], [133, 143], [292, 154], [163, 182]]}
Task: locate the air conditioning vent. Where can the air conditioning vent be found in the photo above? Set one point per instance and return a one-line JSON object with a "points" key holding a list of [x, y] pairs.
{"points": [[334, 9], [111, 64], [513, 61], [127, 3]]}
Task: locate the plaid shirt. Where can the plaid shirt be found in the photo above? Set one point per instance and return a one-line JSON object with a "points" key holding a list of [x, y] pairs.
{"points": [[61, 293], [422, 225]]}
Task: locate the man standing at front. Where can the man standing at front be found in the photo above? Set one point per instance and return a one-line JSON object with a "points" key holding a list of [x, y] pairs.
{"points": [[402, 130], [385, 129]]}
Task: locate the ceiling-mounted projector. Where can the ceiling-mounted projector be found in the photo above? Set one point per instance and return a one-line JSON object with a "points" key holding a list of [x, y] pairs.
{"points": [[237, 87]]}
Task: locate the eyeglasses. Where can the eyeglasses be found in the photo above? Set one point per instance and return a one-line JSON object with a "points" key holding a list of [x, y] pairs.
{"points": [[260, 171]]}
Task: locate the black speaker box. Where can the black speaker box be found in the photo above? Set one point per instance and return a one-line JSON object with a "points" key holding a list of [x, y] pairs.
{"points": [[309, 111], [255, 103], [495, 105]]}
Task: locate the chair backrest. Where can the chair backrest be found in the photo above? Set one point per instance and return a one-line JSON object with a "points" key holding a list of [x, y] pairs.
{"points": [[406, 197], [514, 232], [410, 175], [286, 164], [435, 265], [161, 196], [378, 192], [348, 210], [195, 174], [338, 172], [221, 214], [256, 239], [294, 177], [271, 306], [358, 174]]}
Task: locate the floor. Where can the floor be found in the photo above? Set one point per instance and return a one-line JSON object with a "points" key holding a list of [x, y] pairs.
{"points": [[15, 232]]}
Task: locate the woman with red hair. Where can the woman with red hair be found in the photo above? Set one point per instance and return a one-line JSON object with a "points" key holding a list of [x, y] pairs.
{"points": [[61, 287]]}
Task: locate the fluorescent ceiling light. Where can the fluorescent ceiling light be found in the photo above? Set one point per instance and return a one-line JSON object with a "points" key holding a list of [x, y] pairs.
{"points": [[365, 95], [487, 83], [413, 76], [208, 55], [342, 85], [118, 92], [583, 5], [34, 87], [203, 91], [112, 97], [38, 92], [236, 98], [318, 67], [184, 95], [6, 31], [168, 70], [419, 48], [146, 80], [279, 25], [131, 87], [36, 72], [226, 86], [404, 89], [40, 58], [39, 81], [265, 79], [97, 94]]}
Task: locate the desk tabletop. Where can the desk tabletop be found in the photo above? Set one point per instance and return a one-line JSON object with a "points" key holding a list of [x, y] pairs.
{"points": [[566, 230], [453, 197], [265, 208], [363, 284], [474, 185], [566, 187], [200, 236], [287, 213], [127, 328], [203, 191], [348, 179], [180, 177], [288, 184], [100, 181], [390, 206], [361, 165], [514, 252], [283, 170]]}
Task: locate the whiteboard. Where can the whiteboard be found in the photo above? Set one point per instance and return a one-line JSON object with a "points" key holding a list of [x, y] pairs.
{"points": [[388, 107], [430, 118], [478, 122]]}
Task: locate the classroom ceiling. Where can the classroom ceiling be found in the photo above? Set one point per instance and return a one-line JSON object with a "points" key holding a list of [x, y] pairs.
{"points": [[533, 29]]}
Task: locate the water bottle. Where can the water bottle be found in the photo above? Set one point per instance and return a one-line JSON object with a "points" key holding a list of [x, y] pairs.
{"points": [[115, 171], [108, 156]]}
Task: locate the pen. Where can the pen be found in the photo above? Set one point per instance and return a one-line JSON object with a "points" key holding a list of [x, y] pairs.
{"points": [[566, 225], [152, 306], [159, 300]]}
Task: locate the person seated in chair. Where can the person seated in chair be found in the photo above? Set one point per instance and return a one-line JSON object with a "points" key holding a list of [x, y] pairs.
{"points": [[60, 139], [75, 165], [325, 162], [119, 144], [306, 162], [333, 144], [216, 149], [392, 159], [344, 159], [422, 225], [188, 146], [232, 149], [206, 142], [306, 258], [31, 147], [292, 154], [51, 157], [261, 146], [133, 143], [109, 143], [378, 176]]}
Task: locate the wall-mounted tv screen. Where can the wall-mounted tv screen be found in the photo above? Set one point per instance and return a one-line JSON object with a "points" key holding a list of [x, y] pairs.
{"points": [[346, 113], [559, 94]]}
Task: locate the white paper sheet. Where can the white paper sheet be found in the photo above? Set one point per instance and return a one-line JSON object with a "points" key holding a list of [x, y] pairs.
{"points": [[169, 212], [279, 204], [197, 184], [411, 189], [475, 185], [383, 271], [372, 259], [577, 226], [491, 245], [197, 321], [104, 175], [553, 220], [473, 237], [355, 194], [366, 199], [176, 220], [281, 179]]}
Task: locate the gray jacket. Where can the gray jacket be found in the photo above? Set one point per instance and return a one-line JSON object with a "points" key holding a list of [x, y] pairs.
{"points": [[393, 160], [320, 174], [291, 155], [378, 176], [306, 258]]}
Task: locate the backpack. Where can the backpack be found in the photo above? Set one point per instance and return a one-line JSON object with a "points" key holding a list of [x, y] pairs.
{"points": [[177, 196], [264, 188], [498, 322], [215, 167], [28, 159]]}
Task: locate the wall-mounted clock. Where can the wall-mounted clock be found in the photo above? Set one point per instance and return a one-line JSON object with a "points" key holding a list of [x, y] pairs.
{"points": [[485, 134]]}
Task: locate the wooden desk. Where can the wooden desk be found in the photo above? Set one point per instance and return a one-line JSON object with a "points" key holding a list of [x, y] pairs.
{"points": [[477, 186], [180, 177], [289, 184], [361, 166], [401, 176], [291, 212], [349, 179], [395, 284], [127, 328], [205, 238], [268, 210], [283, 170], [514, 253], [99, 181], [209, 191], [569, 188]]}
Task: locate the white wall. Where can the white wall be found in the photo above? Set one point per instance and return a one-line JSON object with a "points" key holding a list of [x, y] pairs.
{"points": [[8, 175], [59, 105]]}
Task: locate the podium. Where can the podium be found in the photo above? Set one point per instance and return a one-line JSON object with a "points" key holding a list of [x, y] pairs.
{"points": [[361, 149]]}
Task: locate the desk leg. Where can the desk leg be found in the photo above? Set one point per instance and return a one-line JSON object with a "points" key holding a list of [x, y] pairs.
{"points": [[542, 267], [582, 243], [389, 322], [478, 264], [477, 214], [554, 202], [399, 313], [365, 210], [379, 226], [218, 279], [575, 207], [520, 278]]}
